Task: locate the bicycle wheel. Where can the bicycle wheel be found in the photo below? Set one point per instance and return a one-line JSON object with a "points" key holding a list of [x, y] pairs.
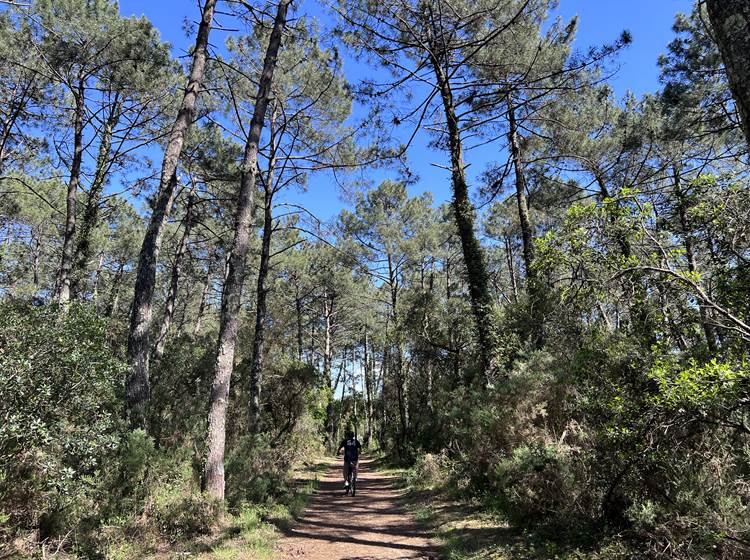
{"points": [[353, 484]]}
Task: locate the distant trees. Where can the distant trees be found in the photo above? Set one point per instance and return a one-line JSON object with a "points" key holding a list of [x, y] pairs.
{"points": [[569, 332]]}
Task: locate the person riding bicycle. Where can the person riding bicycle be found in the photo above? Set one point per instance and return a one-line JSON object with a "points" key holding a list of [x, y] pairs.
{"points": [[351, 447]]}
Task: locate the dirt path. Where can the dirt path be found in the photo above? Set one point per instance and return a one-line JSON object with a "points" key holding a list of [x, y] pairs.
{"points": [[374, 525]]}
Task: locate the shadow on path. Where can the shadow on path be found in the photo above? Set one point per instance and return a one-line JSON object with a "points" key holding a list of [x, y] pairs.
{"points": [[374, 525]]}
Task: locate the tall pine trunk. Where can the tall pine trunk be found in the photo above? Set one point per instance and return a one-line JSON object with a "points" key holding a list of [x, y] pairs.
{"points": [[533, 285], [327, 363], [524, 218], [91, 214], [730, 20], [213, 480], [114, 290], [137, 389], [66, 261], [367, 363], [174, 283], [259, 334], [476, 269], [203, 303], [300, 330], [403, 413], [256, 359]]}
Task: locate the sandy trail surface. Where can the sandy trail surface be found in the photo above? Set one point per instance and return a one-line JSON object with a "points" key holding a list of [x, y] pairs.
{"points": [[374, 525]]}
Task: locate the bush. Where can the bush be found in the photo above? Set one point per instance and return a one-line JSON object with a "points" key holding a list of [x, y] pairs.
{"points": [[181, 514], [429, 470], [254, 470], [61, 389], [536, 484]]}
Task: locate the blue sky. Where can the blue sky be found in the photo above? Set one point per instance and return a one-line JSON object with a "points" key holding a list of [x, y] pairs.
{"points": [[600, 21]]}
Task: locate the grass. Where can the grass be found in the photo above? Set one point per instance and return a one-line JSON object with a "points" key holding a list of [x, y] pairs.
{"points": [[249, 534], [468, 529]]}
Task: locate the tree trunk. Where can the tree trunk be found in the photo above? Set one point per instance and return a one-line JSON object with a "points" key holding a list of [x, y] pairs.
{"points": [[331, 426], [230, 306], [91, 214], [399, 373], [66, 261], [368, 389], [730, 20], [202, 305], [256, 360], [511, 267], [300, 332], [260, 317], [35, 264], [137, 388], [97, 279], [533, 287], [174, 284], [523, 208], [481, 300], [114, 291], [384, 388], [327, 360]]}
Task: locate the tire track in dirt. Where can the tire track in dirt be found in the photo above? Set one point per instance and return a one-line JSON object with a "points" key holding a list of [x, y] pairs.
{"points": [[374, 525]]}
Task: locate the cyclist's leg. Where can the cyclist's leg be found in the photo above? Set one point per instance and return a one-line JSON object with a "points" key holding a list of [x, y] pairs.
{"points": [[346, 472]]}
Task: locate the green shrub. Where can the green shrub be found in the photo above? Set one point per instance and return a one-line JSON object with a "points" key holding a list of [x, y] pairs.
{"points": [[535, 483], [181, 514], [429, 470], [255, 471], [61, 393]]}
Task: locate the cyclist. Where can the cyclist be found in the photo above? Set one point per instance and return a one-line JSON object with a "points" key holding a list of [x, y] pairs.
{"points": [[351, 447]]}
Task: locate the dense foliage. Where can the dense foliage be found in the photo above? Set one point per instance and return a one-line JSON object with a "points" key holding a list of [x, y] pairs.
{"points": [[566, 340]]}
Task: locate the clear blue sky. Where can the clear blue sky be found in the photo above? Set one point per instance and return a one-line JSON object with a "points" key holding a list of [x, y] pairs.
{"points": [[600, 21]]}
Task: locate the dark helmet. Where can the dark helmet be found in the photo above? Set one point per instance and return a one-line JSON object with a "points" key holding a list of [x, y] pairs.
{"points": [[349, 434]]}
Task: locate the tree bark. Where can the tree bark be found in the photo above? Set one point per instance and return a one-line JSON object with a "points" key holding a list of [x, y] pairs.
{"points": [[260, 318], [730, 20], [97, 279], [174, 283], [202, 305], [399, 373], [114, 291], [533, 286], [91, 214], [256, 360], [511, 267], [137, 389], [523, 207], [327, 361], [368, 389], [230, 306], [66, 261], [300, 332], [481, 300]]}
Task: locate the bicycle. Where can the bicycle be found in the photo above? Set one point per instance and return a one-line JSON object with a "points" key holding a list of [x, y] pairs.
{"points": [[351, 478]]}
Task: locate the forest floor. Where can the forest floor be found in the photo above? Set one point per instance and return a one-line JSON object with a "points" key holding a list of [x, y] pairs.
{"points": [[467, 529], [376, 524]]}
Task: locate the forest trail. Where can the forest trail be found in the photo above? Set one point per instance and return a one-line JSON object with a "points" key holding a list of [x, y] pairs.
{"points": [[374, 525]]}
